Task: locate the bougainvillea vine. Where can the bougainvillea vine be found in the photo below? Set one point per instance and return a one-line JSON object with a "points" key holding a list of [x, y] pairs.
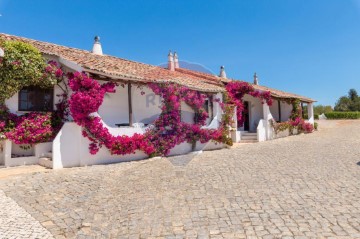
{"points": [[237, 90], [36, 127], [166, 132]]}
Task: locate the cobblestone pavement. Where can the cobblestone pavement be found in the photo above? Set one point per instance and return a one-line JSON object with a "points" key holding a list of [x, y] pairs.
{"points": [[305, 186], [16, 222]]}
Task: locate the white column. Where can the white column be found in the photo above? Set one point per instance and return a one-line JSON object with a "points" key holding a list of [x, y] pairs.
{"points": [[266, 112], [310, 109], [7, 152], [235, 135], [267, 116]]}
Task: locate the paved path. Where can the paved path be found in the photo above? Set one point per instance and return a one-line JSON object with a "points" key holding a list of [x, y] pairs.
{"points": [[305, 186], [16, 222]]}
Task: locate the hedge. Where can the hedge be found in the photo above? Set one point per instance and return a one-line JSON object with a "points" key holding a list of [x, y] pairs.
{"points": [[343, 115], [315, 116]]}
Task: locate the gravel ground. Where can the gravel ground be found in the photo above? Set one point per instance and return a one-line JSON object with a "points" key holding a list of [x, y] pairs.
{"points": [[305, 186]]}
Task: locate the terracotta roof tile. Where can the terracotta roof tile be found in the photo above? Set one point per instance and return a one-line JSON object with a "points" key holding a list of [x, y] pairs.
{"points": [[121, 68], [282, 94], [135, 71], [274, 92]]}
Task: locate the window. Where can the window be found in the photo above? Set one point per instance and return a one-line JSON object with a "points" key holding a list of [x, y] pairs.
{"points": [[209, 107], [34, 98], [206, 106]]}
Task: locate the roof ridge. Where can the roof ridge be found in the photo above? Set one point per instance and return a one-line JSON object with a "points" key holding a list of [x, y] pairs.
{"points": [[120, 67], [25, 38], [79, 49]]}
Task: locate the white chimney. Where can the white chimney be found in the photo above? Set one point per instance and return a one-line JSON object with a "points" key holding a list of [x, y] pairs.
{"points": [[256, 80], [222, 72], [97, 49], [176, 61], [171, 65]]}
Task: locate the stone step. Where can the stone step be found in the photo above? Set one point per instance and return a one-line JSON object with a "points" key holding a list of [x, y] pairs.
{"points": [[46, 162], [248, 141], [248, 137], [47, 155], [248, 133]]}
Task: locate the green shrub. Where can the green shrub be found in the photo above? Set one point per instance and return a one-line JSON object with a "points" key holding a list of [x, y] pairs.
{"points": [[316, 116], [343, 115], [22, 65], [316, 125]]}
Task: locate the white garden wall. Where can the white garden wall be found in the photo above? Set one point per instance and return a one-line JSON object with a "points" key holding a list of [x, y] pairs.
{"points": [[71, 149], [32, 158]]}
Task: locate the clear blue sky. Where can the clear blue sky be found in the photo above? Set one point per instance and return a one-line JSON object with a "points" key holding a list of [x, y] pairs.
{"points": [[309, 47]]}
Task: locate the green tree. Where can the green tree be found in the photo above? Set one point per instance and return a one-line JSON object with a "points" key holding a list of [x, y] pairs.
{"points": [[343, 104], [320, 109], [22, 65], [353, 95], [355, 104], [351, 102]]}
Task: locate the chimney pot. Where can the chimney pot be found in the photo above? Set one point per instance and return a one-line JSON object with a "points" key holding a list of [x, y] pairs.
{"points": [[256, 80], [176, 61], [97, 49], [171, 65], [222, 72]]}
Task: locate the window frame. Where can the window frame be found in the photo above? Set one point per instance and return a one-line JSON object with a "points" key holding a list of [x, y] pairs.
{"points": [[37, 90]]}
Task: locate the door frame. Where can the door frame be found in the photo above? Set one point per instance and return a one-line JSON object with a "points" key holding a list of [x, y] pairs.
{"points": [[247, 119]]}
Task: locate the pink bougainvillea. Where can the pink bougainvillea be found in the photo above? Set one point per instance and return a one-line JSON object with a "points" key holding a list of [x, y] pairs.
{"points": [[236, 91], [167, 131], [36, 127], [87, 98]]}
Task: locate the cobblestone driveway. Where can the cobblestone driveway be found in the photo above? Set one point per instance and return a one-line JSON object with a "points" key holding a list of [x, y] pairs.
{"points": [[305, 186]]}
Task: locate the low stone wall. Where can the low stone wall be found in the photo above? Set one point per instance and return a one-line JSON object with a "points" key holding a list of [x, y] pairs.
{"points": [[7, 160], [285, 133]]}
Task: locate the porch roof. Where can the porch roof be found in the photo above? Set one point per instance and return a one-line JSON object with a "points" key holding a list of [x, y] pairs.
{"points": [[274, 92], [121, 69], [282, 94]]}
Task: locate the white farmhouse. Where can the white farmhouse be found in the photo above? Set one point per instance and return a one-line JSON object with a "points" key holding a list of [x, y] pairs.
{"points": [[134, 107]]}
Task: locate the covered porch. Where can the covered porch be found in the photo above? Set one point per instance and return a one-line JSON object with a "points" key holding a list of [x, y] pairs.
{"points": [[257, 115]]}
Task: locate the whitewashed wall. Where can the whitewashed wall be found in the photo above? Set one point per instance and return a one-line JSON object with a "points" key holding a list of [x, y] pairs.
{"points": [[71, 149], [274, 109], [255, 112], [2, 152], [285, 111], [13, 102], [187, 113], [146, 107], [114, 108], [31, 158]]}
